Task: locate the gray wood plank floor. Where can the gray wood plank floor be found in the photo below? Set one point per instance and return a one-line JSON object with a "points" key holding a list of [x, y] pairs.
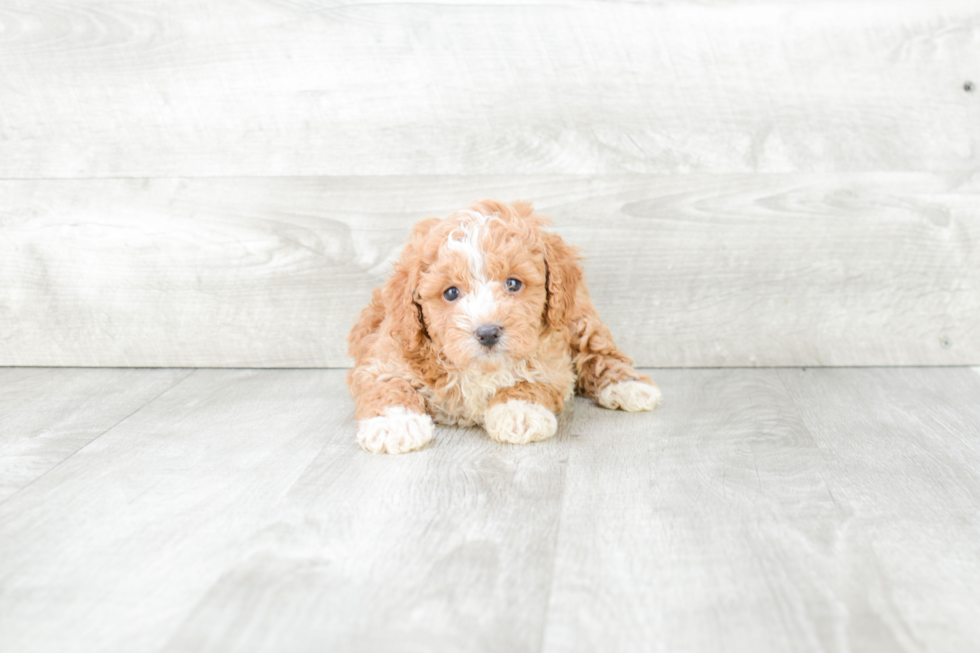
{"points": [[231, 510]]}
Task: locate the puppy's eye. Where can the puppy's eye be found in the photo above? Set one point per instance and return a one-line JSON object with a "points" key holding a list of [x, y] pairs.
{"points": [[451, 294], [513, 285]]}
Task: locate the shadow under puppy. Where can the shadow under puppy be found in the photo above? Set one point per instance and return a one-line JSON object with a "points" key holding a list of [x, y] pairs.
{"points": [[485, 320]]}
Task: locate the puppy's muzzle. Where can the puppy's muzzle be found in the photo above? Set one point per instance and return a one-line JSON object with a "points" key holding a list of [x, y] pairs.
{"points": [[488, 335]]}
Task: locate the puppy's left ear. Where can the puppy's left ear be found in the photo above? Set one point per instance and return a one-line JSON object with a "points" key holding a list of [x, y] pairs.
{"points": [[564, 275]]}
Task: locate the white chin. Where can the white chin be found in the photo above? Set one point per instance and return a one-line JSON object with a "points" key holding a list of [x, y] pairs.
{"points": [[493, 357]]}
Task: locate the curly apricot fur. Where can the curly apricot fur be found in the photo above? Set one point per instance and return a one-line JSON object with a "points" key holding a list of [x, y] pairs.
{"points": [[415, 349]]}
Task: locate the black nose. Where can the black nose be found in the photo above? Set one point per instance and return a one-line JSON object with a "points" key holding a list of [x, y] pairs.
{"points": [[488, 335]]}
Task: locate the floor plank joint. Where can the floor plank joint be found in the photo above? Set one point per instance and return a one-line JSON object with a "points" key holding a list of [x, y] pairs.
{"points": [[232, 510]]}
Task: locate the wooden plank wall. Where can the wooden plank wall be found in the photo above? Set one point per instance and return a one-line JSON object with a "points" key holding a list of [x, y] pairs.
{"points": [[754, 183]]}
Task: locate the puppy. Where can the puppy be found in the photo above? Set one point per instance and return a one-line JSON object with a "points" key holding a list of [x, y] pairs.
{"points": [[486, 321]]}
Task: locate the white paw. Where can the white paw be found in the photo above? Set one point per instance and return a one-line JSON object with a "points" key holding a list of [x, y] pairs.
{"points": [[631, 396], [397, 431], [519, 422]]}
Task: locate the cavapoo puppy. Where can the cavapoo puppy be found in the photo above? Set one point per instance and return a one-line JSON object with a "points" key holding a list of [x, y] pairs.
{"points": [[485, 320]]}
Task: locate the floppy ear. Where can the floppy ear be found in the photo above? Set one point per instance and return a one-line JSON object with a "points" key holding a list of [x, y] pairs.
{"points": [[399, 294], [563, 276]]}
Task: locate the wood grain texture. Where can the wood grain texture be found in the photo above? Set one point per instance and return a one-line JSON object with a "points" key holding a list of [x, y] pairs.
{"points": [[49, 415], [447, 550], [99, 88], [836, 515], [110, 550], [705, 526], [240, 490], [905, 450], [755, 511], [692, 270]]}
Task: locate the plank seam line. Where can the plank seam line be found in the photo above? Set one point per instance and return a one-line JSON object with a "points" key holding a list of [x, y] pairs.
{"points": [[501, 176], [809, 431], [546, 612], [342, 422], [87, 444]]}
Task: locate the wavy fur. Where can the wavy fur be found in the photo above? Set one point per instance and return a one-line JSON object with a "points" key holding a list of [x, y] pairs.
{"points": [[417, 351]]}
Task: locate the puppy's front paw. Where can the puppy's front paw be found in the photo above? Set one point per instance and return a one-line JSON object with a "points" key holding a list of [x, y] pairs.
{"points": [[397, 431], [519, 422], [631, 396]]}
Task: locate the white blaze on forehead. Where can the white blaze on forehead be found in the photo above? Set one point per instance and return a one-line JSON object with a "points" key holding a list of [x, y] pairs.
{"points": [[466, 240], [477, 307]]}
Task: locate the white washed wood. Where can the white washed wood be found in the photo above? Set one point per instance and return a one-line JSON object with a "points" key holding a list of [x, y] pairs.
{"points": [[47, 415], [692, 270], [903, 456], [212, 502], [696, 528], [756, 510], [448, 549], [111, 549], [124, 88], [729, 521]]}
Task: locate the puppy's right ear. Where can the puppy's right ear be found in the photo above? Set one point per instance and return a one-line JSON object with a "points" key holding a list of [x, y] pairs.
{"points": [[399, 293], [564, 273]]}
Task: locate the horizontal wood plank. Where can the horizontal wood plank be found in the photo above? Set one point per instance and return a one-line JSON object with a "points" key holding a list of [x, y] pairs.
{"points": [[96, 88], [695, 270]]}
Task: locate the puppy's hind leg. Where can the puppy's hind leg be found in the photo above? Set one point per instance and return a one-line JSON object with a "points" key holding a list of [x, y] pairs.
{"points": [[391, 415], [604, 372]]}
